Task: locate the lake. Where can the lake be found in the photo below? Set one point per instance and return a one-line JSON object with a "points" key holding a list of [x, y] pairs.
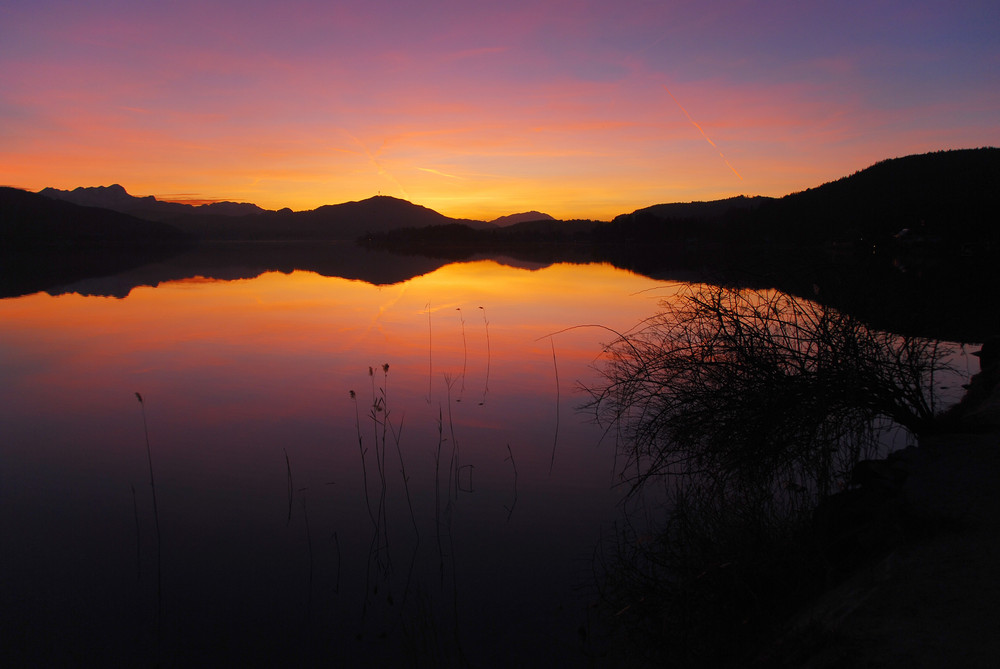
{"points": [[309, 505]]}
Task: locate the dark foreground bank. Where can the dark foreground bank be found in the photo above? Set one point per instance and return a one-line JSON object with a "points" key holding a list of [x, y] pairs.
{"points": [[933, 600]]}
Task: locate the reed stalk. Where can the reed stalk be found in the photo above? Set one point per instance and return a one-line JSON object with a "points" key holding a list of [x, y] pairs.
{"points": [[510, 456], [378, 407], [430, 356], [555, 438], [336, 544], [489, 355], [453, 466], [156, 521], [396, 436], [291, 488], [465, 354], [361, 449], [138, 559], [309, 546], [437, 494]]}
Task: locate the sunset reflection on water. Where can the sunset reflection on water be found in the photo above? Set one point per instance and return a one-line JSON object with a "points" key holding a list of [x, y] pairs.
{"points": [[239, 375]]}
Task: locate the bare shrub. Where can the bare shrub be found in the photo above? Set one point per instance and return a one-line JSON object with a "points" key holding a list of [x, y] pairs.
{"points": [[747, 407], [753, 386]]}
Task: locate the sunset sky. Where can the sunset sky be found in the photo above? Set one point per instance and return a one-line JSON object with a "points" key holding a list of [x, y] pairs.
{"points": [[578, 109]]}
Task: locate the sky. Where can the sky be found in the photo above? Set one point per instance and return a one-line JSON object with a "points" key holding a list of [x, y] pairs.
{"points": [[577, 109]]}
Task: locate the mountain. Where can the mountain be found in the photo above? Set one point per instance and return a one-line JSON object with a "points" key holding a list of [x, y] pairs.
{"points": [[713, 209], [30, 219], [934, 196], [350, 219], [376, 214], [678, 225], [904, 243], [346, 221], [116, 198], [235, 221], [908, 244], [946, 196], [46, 242], [524, 217]]}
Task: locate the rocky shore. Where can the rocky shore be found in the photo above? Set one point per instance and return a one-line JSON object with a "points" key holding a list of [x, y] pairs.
{"points": [[928, 594]]}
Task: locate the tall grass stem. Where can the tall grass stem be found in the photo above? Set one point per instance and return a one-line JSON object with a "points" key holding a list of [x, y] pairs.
{"points": [[555, 438], [489, 356], [156, 521]]}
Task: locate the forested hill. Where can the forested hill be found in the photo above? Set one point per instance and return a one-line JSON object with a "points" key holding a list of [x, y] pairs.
{"points": [[943, 197], [31, 220], [241, 221], [116, 198], [45, 242], [910, 244], [947, 196]]}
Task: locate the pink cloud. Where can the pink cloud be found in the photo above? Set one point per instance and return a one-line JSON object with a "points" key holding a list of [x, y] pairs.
{"points": [[545, 104]]}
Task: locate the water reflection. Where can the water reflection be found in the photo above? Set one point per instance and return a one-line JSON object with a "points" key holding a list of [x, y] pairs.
{"points": [[445, 513]]}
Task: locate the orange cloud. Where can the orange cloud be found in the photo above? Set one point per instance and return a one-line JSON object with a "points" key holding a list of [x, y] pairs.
{"points": [[486, 111]]}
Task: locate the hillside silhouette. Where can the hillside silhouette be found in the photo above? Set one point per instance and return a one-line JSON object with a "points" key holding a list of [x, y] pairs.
{"points": [[45, 242], [522, 217], [30, 220], [116, 198], [943, 197], [908, 243], [241, 221]]}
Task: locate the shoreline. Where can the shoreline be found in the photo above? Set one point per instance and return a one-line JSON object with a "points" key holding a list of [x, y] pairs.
{"points": [[933, 599]]}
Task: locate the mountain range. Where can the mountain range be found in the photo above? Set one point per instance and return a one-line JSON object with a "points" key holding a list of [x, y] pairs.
{"points": [[116, 198], [942, 196], [34, 220], [241, 221], [945, 198], [913, 235]]}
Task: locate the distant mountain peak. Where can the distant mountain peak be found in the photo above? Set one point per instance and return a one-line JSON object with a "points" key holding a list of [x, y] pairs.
{"points": [[116, 198], [108, 197], [523, 217], [113, 189]]}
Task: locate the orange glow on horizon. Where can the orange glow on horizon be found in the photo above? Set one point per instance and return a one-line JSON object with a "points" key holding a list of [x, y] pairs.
{"points": [[482, 111], [481, 325]]}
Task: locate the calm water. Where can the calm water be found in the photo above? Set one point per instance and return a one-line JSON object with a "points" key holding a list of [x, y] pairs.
{"points": [[282, 538]]}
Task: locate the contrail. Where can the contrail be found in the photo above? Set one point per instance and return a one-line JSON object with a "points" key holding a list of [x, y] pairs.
{"points": [[372, 158], [438, 172], [707, 139]]}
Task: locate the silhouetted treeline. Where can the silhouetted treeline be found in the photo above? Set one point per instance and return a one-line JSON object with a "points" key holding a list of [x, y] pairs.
{"points": [[30, 220], [947, 196], [231, 221], [116, 198], [943, 198], [46, 242], [909, 243]]}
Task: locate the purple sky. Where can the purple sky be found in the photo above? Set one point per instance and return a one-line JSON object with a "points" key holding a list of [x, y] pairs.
{"points": [[578, 109]]}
